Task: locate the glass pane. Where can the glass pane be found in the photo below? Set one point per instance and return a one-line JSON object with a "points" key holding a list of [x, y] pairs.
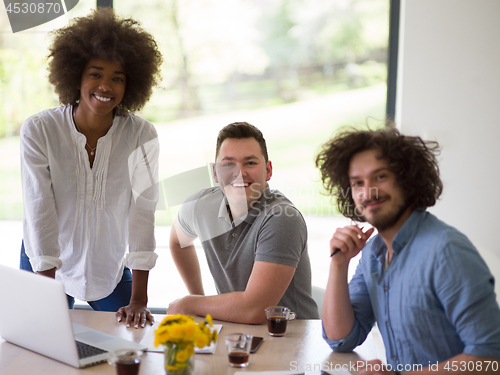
{"points": [[297, 69], [24, 91]]}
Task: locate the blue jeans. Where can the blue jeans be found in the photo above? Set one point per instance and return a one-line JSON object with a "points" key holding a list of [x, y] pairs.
{"points": [[119, 298]]}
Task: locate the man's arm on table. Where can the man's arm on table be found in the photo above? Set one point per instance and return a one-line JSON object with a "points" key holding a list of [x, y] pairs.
{"points": [[266, 286], [459, 364], [186, 260]]}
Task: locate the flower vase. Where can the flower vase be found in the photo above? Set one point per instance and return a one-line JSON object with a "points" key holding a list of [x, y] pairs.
{"points": [[178, 359]]}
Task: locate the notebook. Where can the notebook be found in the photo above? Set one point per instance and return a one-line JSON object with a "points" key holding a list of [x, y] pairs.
{"points": [[37, 318]]}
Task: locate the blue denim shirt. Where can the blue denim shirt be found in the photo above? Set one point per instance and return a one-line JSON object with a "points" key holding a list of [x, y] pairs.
{"points": [[435, 300]]}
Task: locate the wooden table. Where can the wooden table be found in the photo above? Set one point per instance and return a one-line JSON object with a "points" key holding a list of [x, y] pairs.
{"points": [[303, 349]]}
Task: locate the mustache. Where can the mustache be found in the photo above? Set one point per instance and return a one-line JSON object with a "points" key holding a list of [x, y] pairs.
{"points": [[376, 199]]}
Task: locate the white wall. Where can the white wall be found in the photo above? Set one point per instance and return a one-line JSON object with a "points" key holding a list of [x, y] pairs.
{"points": [[449, 91]]}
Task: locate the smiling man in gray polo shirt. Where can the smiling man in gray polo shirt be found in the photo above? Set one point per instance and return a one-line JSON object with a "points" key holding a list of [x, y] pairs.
{"points": [[254, 238]]}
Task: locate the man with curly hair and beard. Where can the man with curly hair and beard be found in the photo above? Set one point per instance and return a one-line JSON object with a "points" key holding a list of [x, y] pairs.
{"points": [[419, 279], [88, 167]]}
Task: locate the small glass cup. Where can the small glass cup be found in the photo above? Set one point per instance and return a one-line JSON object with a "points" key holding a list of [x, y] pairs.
{"points": [[126, 361], [238, 349], [277, 319]]}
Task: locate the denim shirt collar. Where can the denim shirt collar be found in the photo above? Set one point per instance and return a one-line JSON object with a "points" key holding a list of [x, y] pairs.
{"points": [[408, 230], [402, 237]]}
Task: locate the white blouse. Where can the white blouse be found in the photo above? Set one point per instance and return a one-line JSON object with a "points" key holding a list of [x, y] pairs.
{"points": [[81, 219]]}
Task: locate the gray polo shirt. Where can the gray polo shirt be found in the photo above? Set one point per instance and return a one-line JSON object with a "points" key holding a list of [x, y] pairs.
{"points": [[272, 231]]}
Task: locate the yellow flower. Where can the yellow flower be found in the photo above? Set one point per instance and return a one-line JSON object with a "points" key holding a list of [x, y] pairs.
{"points": [[184, 331], [170, 318], [182, 356], [161, 336], [175, 332], [159, 340], [190, 331], [201, 341]]}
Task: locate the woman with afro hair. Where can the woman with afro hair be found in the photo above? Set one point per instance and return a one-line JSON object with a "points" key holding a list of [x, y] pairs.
{"points": [[88, 167]]}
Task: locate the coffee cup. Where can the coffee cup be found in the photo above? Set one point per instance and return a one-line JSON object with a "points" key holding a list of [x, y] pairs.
{"points": [[126, 361], [277, 319], [238, 349]]}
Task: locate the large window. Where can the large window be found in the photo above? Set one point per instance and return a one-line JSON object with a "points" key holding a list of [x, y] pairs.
{"points": [[297, 69]]}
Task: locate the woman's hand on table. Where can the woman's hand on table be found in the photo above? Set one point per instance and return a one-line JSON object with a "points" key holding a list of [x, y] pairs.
{"points": [[136, 314]]}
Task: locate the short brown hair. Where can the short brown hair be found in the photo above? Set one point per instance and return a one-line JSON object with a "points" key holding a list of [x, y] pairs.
{"points": [[411, 159], [103, 35], [241, 130]]}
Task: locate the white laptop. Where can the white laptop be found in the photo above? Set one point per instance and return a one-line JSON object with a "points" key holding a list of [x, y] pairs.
{"points": [[35, 315]]}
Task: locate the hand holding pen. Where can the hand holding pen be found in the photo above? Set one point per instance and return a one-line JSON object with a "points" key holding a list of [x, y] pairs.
{"points": [[349, 240]]}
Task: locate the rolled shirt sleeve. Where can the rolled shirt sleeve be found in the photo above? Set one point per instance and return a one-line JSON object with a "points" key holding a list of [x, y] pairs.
{"points": [[143, 167], [40, 222], [364, 318]]}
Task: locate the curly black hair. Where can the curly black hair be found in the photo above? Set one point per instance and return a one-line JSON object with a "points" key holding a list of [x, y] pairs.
{"points": [[412, 160], [105, 36]]}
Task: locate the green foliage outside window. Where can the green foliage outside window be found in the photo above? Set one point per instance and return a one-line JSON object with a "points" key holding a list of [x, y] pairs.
{"points": [[24, 89]]}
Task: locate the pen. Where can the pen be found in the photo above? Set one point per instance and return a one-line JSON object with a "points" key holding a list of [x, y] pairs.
{"points": [[335, 252]]}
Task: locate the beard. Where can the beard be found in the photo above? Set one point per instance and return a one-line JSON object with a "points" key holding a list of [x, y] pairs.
{"points": [[389, 219]]}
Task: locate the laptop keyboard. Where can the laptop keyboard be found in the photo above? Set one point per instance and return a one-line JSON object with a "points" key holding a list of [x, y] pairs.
{"points": [[85, 350]]}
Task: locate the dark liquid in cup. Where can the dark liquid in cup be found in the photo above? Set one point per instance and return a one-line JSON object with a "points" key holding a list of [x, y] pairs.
{"points": [[277, 325], [238, 357], [128, 367]]}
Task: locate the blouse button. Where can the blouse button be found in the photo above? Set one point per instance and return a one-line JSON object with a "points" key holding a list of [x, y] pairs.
{"points": [[234, 234]]}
